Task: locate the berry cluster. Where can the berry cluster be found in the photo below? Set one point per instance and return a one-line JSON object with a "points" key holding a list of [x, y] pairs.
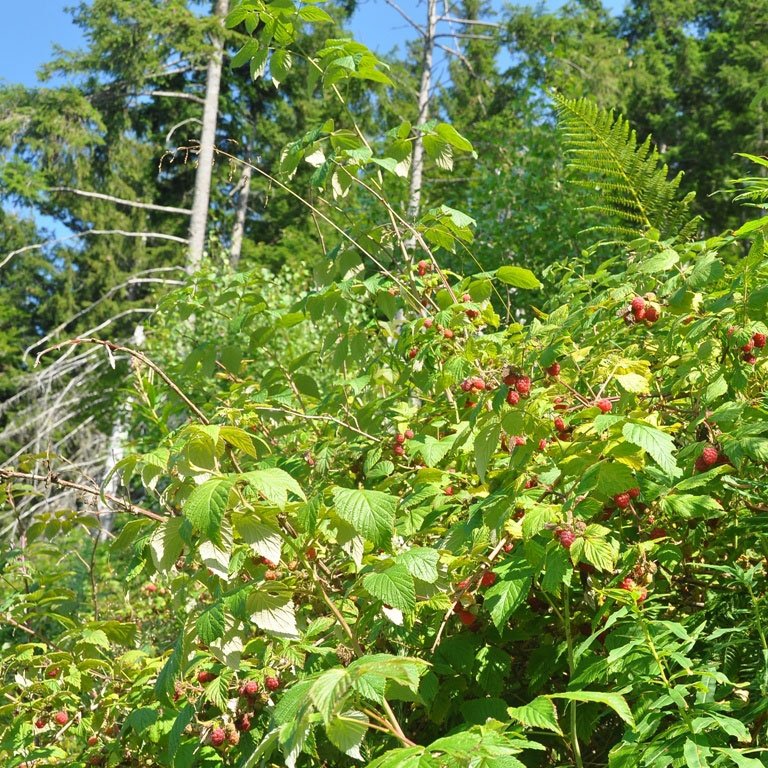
{"points": [[423, 267], [748, 350], [398, 447], [470, 312], [641, 309], [709, 458], [565, 536]]}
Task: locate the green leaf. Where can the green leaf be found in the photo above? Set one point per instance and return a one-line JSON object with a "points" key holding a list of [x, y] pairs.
{"points": [[394, 587], [329, 690], [514, 583], [265, 540], [315, 15], [205, 506], [274, 613], [421, 563], [486, 443], [274, 485], [540, 713], [370, 513], [657, 444], [518, 277], [140, 719], [238, 438], [210, 624], [346, 732], [613, 700], [183, 719], [696, 751], [614, 477], [448, 133], [166, 544]]}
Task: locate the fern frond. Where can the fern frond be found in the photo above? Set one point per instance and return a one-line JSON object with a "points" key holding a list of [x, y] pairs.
{"points": [[632, 180]]}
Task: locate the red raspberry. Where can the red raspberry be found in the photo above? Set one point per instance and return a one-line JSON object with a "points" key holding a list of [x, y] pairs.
{"points": [[466, 385], [409, 435], [93, 741], [749, 359], [478, 383], [466, 298], [759, 340], [622, 500], [634, 493], [399, 438], [564, 437], [150, 588], [658, 533], [699, 465], [270, 575], [565, 537], [651, 314], [731, 330], [428, 322], [272, 683], [250, 688], [542, 444], [554, 369], [640, 314], [464, 584], [709, 456], [488, 580], [510, 379], [61, 718], [470, 404], [448, 490], [218, 736], [398, 450], [748, 347], [508, 547], [523, 385], [628, 583], [467, 618], [559, 424], [643, 594], [40, 723], [532, 482], [472, 313], [448, 333], [605, 405], [205, 676], [513, 398], [413, 352], [638, 304], [243, 723], [311, 553]]}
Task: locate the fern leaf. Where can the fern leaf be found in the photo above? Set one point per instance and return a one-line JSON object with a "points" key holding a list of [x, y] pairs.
{"points": [[633, 182]]}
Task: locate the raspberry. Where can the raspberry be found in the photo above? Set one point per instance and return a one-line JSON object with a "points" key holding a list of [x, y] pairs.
{"points": [[709, 456], [628, 583], [559, 424], [272, 683], [472, 313], [466, 385], [523, 385], [560, 405], [466, 617], [448, 333], [513, 398], [250, 688], [413, 352], [508, 547], [510, 379], [217, 737], [622, 500], [532, 482], [488, 580], [605, 405], [409, 434], [448, 490], [565, 537], [40, 723], [640, 314], [398, 450], [61, 717], [554, 369], [205, 676], [150, 588], [466, 298], [311, 553], [658, 533], [731, 330], [759, 340], [93, 741], [542, 444], [699, 465], [564, 437], [749, 359], [478, 383], [428, 321], [748, 347], [643, 594], [464, 584], [638, 304], [400, 438], [470, 404], [266, 561], [651, 314], [243, 723]]}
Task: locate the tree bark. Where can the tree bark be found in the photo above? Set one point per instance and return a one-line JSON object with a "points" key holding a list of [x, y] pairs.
{"points": [[238, 230], [199, 218]]}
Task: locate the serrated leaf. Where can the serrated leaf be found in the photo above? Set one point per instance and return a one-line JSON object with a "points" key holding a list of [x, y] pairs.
{"points": [[347, 731], [206, 505], [696, 751], [614, 477], [265, 540], [210, 623], [140, 719], [370, 513], [486, 443], [421, 563], [274, 613], [613, 700], [513, 586], [166, 544], [633, 382], [329, 690], [657, 444], [540, 713], [274, 485], [394, 587], [518, 277], [183, 719]]}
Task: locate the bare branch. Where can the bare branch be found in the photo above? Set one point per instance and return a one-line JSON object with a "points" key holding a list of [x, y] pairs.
{"points": [[121, 200], [178, 95], [178, 125]]}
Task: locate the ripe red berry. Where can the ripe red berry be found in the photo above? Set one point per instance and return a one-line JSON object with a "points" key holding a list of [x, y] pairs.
{"points": [[709, 456], [565, 537], [488, 579], [634, 493], [519, 440], [638, 304], [311, 553], [748, 347], [270, 575], [554, 369], [559, 424], [472, 313], [399, 438], [218, 736], [510, 379], [564, 437], [448, 490], [250, 688], [532, 482], [413, 352], [243, 723], [605, 405], [272, 683], [61, 717], [448, 333], [749, 359], [622, 500], [542, 444], [759, 340], [466, 298], [205, 676], [513, 398], [523, 385], [150, 587], [464, 584], [409, 434], [651, 314], [466, 385], [478, 383], [508, 547], [398, 450], [628, 583], [559, 404], [40, 722], [467, 618], [93, 740], [428, 322]]}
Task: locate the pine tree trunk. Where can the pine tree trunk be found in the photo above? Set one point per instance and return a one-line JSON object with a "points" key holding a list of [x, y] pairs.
{"points": [[199, 219], [238, 230]]}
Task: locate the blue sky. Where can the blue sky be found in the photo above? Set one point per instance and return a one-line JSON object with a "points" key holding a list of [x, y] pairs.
{"points": [[29, 31]]}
